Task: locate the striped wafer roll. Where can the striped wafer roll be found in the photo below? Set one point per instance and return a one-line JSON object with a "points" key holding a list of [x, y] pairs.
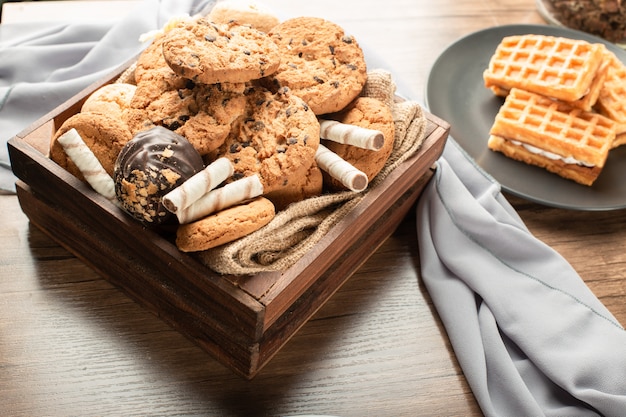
{"points": [[221, 198], [351, 135], [76, 149], [340, 169], [195, 187]]}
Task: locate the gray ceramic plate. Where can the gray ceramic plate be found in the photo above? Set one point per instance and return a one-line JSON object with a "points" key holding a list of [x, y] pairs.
{"points": [[456, 93]]}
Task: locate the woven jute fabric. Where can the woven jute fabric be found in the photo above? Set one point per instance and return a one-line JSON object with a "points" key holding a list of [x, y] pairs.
{"points": [[297, 229]]}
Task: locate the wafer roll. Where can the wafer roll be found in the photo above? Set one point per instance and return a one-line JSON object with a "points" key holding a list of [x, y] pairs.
{"points": [[195, 187], [351, 135], [91, 168], [340, 169], [221, 198]]}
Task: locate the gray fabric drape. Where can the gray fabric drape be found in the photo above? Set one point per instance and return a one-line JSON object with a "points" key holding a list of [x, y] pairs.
{"points": [[44, 64], [530, 336]]}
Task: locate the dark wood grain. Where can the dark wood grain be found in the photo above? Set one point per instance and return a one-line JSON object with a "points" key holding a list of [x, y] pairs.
{"points": [[75, 341], [71, 343]]}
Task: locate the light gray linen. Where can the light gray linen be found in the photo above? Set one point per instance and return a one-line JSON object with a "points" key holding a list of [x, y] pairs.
{"points": [[44, 64], [530, 336]]}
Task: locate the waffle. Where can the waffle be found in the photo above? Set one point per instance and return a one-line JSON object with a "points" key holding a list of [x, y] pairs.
{"points": [[553, 135], [589, 100], [612, 99], [553, 66], [620, 140], [591, 97]]}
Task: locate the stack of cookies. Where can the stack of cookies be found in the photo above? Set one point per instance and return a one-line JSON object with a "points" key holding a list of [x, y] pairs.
{"points": [[217, 125], [563, 108]]}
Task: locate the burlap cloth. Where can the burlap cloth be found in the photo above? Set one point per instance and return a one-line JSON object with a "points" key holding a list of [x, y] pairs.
{"points": [[296, 229]]}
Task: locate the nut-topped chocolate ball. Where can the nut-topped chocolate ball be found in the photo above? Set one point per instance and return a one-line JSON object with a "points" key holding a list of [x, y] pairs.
{"points": [[150, 165]]}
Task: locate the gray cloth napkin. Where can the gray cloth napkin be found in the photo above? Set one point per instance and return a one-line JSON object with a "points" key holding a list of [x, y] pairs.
{"points": [[530, 336], [44, 64]]}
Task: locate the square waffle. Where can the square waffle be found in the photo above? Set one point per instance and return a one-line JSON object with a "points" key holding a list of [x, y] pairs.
{"points": [[612, 98], [553, 135], [589, 100], [553, 66], [591, 97]]}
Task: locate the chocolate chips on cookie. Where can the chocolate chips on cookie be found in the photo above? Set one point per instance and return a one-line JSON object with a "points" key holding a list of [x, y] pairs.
{"points": [[210, 53], [320, 63], [276, 137]]}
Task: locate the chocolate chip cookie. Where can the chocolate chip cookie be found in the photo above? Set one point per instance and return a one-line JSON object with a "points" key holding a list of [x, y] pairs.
{"points": [[201, 113], [276, 137], [319, 62], [224, 226], [300, 188], [103, 134], [210, 53], [372, 114]]}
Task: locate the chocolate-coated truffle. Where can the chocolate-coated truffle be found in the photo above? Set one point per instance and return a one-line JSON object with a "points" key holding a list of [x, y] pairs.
{"points": [[149, 166]]}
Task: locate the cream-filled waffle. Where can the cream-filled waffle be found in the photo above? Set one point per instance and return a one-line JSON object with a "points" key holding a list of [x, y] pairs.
{"points": [[553, 135], [612, 99]]}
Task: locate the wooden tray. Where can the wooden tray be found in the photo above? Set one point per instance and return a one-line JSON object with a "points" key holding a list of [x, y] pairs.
{"points": [[242, 321]]}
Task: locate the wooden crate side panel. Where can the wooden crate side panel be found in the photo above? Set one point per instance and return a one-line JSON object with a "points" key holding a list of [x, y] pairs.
{"points": [[145, 284], [114, 227], [290, 285], [301, 310]]}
